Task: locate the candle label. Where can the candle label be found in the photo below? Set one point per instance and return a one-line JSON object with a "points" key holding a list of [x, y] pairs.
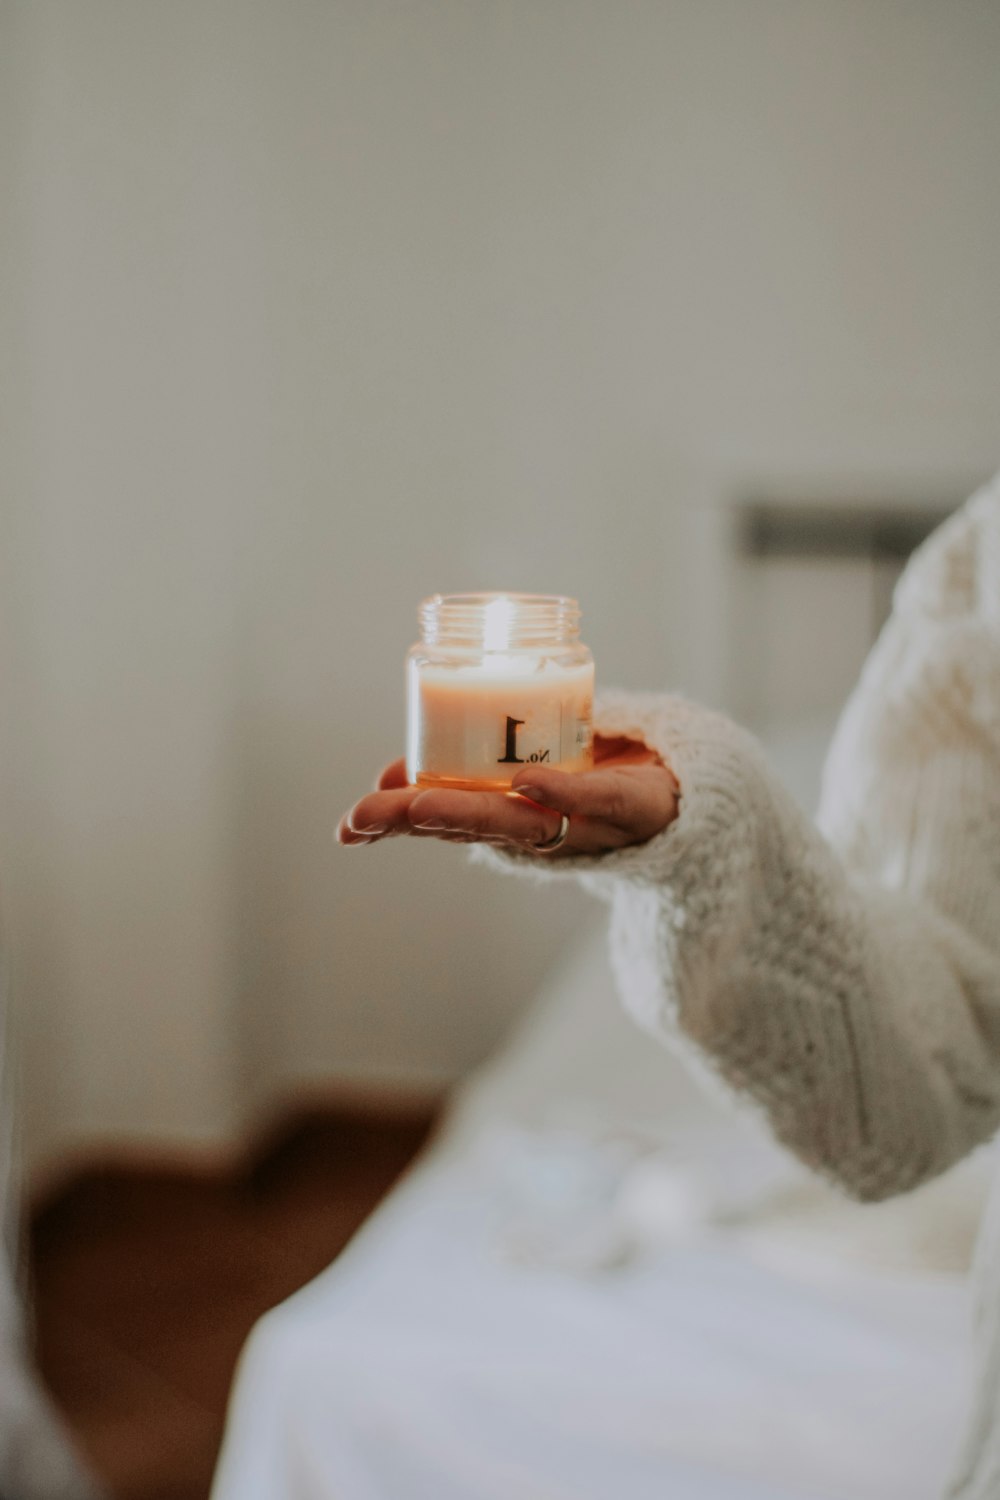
{"points": [[567, 748]]}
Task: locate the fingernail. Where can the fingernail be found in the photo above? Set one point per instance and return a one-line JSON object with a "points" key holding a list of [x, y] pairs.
{"points": [[431, 824], [369, 827]]}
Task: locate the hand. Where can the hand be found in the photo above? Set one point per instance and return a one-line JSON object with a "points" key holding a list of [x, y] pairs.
{"points": [[628, 798]]}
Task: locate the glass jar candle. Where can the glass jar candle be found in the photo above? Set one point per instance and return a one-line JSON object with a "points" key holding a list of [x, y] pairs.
{"points": [[497, 682]]}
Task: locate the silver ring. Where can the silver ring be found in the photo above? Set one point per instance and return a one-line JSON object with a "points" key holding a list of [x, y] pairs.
{"points": [[556, 841]]}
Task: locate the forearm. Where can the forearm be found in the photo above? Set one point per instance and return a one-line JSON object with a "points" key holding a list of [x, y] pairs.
{"points": [[855, 1036]]}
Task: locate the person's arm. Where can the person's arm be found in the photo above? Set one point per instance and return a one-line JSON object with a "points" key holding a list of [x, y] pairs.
{"points": [[845, 980], [849, 983]]}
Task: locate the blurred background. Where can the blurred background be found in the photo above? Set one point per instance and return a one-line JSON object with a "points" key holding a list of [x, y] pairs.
{"points": [[312, 308]]}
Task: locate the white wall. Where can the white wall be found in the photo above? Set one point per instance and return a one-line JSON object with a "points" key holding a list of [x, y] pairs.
{"points": [[317, 308]]}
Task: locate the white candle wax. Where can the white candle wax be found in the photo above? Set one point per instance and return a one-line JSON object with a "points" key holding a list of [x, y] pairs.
{"points": [[480, 723]]}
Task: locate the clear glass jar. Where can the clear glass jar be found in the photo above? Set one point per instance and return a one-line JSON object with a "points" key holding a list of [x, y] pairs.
{"points": [[497, 682]]}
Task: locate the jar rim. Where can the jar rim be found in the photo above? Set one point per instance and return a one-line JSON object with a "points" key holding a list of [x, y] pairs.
{"points": [[499, 621], [487, 596]]}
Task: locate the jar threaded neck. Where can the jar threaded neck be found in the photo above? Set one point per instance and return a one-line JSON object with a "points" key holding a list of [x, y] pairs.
{"points": [[499, 622]]}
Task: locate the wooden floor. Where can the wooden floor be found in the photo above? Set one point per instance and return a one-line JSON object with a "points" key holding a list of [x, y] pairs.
{"points": [[146, 1285]]}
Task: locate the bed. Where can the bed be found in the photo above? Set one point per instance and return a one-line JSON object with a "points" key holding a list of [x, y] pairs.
{"points": [[601, 1283]]}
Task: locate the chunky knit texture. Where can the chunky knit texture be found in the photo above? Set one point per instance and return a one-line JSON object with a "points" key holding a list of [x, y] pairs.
{"points": [[844, 979]]}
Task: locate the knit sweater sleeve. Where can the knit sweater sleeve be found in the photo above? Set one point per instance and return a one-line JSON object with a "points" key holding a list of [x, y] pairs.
{"points": [[846, 977]]}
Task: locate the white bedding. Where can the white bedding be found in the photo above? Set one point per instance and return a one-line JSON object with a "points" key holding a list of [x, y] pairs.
{"points": [[601, 1285]]}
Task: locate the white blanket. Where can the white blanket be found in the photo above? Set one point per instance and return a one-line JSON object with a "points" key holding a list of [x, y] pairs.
{"points": [[600, 1286]]}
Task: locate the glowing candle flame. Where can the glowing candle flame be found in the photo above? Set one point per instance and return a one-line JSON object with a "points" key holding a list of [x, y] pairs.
{"points": [[498, 617]]}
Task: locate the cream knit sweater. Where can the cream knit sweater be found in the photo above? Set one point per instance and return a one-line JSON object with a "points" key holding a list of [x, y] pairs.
{"points": [[845, 978]]}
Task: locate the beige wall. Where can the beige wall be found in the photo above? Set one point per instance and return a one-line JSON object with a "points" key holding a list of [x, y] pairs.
{"points": [[317, 308]]}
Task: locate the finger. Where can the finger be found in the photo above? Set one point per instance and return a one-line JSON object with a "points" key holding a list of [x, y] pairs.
{"points": [[485, 815], [347, 835], [392, 777], [384, 814], [499, 817], [638, 801], [377, 815], [467, 817]]}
